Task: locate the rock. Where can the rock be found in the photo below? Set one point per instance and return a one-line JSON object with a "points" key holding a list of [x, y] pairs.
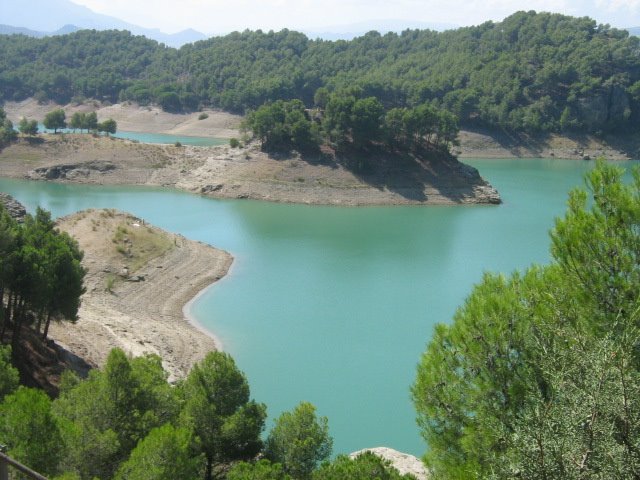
{"points": [[70, 171], [487, 194], [403, 462], [14, 208], [606, 108], [211, 188]]}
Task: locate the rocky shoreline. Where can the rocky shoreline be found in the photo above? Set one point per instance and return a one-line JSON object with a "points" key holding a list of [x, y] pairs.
{"points": [[247, 173]]}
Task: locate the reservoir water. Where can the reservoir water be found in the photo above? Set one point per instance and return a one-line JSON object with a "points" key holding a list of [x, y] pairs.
{"points": [[335, 305], [162, 138]]}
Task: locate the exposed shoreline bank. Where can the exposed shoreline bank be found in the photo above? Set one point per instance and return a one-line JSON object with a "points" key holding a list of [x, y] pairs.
{"points": [[223, 172], [141, 311], [192, 319], [240, 173]]}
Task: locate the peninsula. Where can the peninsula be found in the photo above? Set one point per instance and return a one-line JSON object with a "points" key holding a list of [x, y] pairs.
{"points": [[226, 172]]}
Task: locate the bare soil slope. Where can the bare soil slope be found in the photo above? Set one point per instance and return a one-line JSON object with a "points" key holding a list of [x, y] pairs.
{"points": [[135, 118], [226, 172], [138, 280]]}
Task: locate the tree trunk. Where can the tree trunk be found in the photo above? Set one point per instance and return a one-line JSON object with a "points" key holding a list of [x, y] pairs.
{"points": [[17, 323], [46, 327], [39, 322], [209, 469]]}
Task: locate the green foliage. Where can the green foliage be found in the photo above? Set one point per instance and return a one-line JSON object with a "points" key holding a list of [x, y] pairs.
{"points": [[260, 470], [9, 377], [203, 116], [538, 375], [84, 121], [532, 71], [7, 133], [299, 441], [108, 126], [30, 430], [234, 143], [366, 466], [218, 410], [55, 120], [110, 412], [165, 454], [283, 126], [90, 121], [77, 120], [599, 248], [40, 274], [28, 127]]}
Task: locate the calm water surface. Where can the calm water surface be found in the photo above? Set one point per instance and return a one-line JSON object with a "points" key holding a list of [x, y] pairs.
{"points": [[335, 305], [157, 138]]}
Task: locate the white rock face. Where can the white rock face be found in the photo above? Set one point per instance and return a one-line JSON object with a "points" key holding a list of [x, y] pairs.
{"points": [[403, 462]]}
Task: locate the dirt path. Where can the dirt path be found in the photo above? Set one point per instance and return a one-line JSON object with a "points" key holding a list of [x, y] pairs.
{"points": [[138, 308]]}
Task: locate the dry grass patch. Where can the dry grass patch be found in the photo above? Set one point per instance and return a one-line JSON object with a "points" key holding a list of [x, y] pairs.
{"points": [[139, 244]]}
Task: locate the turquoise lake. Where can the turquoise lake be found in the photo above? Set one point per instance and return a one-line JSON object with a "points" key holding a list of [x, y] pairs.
{"points": [[335, 305], [157, 138]]}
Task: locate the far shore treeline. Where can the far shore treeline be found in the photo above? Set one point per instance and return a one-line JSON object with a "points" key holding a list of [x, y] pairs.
{"points": [[532, 72]]}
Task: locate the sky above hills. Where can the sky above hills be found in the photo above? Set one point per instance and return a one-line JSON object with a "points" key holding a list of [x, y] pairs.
{"points": [[222, 16]]}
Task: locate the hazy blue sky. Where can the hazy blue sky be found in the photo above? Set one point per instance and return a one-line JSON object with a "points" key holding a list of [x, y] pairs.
{"points": [[219, 16]]}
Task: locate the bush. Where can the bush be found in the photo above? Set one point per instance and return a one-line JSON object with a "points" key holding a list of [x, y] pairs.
{"points": [[203, 116], [234, 143]]}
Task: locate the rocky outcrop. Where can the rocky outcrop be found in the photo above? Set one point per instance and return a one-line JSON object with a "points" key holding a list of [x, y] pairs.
{"points": [[70, 171], [403, 462], [604, 109], [15, 209]]}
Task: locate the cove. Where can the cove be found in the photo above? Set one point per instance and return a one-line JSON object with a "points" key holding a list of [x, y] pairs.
{"points": [[335, 305], [161, 138]]}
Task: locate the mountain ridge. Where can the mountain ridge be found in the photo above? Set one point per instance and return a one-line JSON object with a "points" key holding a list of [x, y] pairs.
{"points": [[53, 15]]}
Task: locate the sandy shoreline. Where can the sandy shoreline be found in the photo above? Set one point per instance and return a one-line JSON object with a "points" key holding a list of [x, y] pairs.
{"points": [[144, 310], [186, 310]]}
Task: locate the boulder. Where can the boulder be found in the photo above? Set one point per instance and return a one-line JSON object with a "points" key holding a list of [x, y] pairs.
{"points": [[403, 462], [14, 208]]}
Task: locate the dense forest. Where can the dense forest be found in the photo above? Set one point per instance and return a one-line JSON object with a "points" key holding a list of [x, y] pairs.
{"points": [[531, 72]]}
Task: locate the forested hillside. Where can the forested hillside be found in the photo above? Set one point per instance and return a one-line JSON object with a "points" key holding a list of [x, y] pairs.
{"points": [[531, 72]]}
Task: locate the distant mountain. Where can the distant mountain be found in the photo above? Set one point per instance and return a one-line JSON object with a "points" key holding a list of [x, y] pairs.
{"points": [[353, 30], [10, 30], [634, 31], [53, 17]]}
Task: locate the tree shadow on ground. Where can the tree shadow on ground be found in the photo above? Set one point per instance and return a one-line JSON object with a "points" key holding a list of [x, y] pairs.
{"points": [[412, 175], [41, 363], [34, 140]]}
